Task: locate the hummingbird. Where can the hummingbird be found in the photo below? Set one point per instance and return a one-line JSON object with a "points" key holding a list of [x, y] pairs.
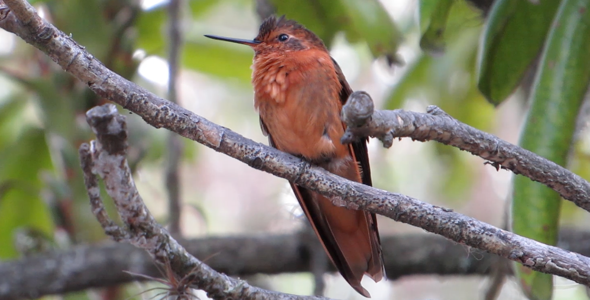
{"points": [[299, 91]]}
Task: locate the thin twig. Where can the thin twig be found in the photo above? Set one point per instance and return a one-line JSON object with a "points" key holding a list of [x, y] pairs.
{"points": [[174, 48], [96, 204], [500, 270], [175, 145]]}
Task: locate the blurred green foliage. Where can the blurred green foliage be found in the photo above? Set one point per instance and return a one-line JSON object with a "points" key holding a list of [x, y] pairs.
{"points": [[447, 78], [513, 37], [21, 186], [361, 21], [433, 17]]}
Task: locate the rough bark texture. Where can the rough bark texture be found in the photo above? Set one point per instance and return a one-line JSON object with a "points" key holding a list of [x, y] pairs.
{"points": [[84, 267], [106, 157], [436, 125]]}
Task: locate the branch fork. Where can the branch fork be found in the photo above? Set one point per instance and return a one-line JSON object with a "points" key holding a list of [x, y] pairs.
{"points": [[105, 157]]}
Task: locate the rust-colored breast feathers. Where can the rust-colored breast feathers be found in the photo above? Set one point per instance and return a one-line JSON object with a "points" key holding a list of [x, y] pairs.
{"points": [[297, 97], [269, 78]]}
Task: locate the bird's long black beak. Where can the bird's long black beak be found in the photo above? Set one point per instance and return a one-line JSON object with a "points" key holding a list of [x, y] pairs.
{"points": [[250, 43]]}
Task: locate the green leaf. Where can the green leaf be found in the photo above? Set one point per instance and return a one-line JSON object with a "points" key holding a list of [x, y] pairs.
{"points": [[369, 21], [150, 26], [432, 40], [313, 15], [79, 18], [201, 7], [447, 81], [21, 204], [562, 79], [219, 59], [58, 107], [513, 38], [11, 118], [430, 77]]}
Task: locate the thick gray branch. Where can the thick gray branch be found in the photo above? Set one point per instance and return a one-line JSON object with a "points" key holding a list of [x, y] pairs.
{"points": [[436, 125], [86, 267]]}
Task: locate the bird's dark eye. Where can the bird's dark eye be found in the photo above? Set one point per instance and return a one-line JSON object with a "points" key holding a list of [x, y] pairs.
{"points": [[283, 37]]}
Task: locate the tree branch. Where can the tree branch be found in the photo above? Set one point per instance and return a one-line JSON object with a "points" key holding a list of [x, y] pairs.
{"points": [[175, 145], [436, 125], [106, 157], [84, 267], [161, 113]]}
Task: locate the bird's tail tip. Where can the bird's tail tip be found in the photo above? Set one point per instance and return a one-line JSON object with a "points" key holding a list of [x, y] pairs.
{"points": [[378, 274], [361, 290]]}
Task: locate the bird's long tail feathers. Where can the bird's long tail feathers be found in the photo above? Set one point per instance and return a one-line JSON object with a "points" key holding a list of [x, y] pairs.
{"points": [[350, 237]]}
